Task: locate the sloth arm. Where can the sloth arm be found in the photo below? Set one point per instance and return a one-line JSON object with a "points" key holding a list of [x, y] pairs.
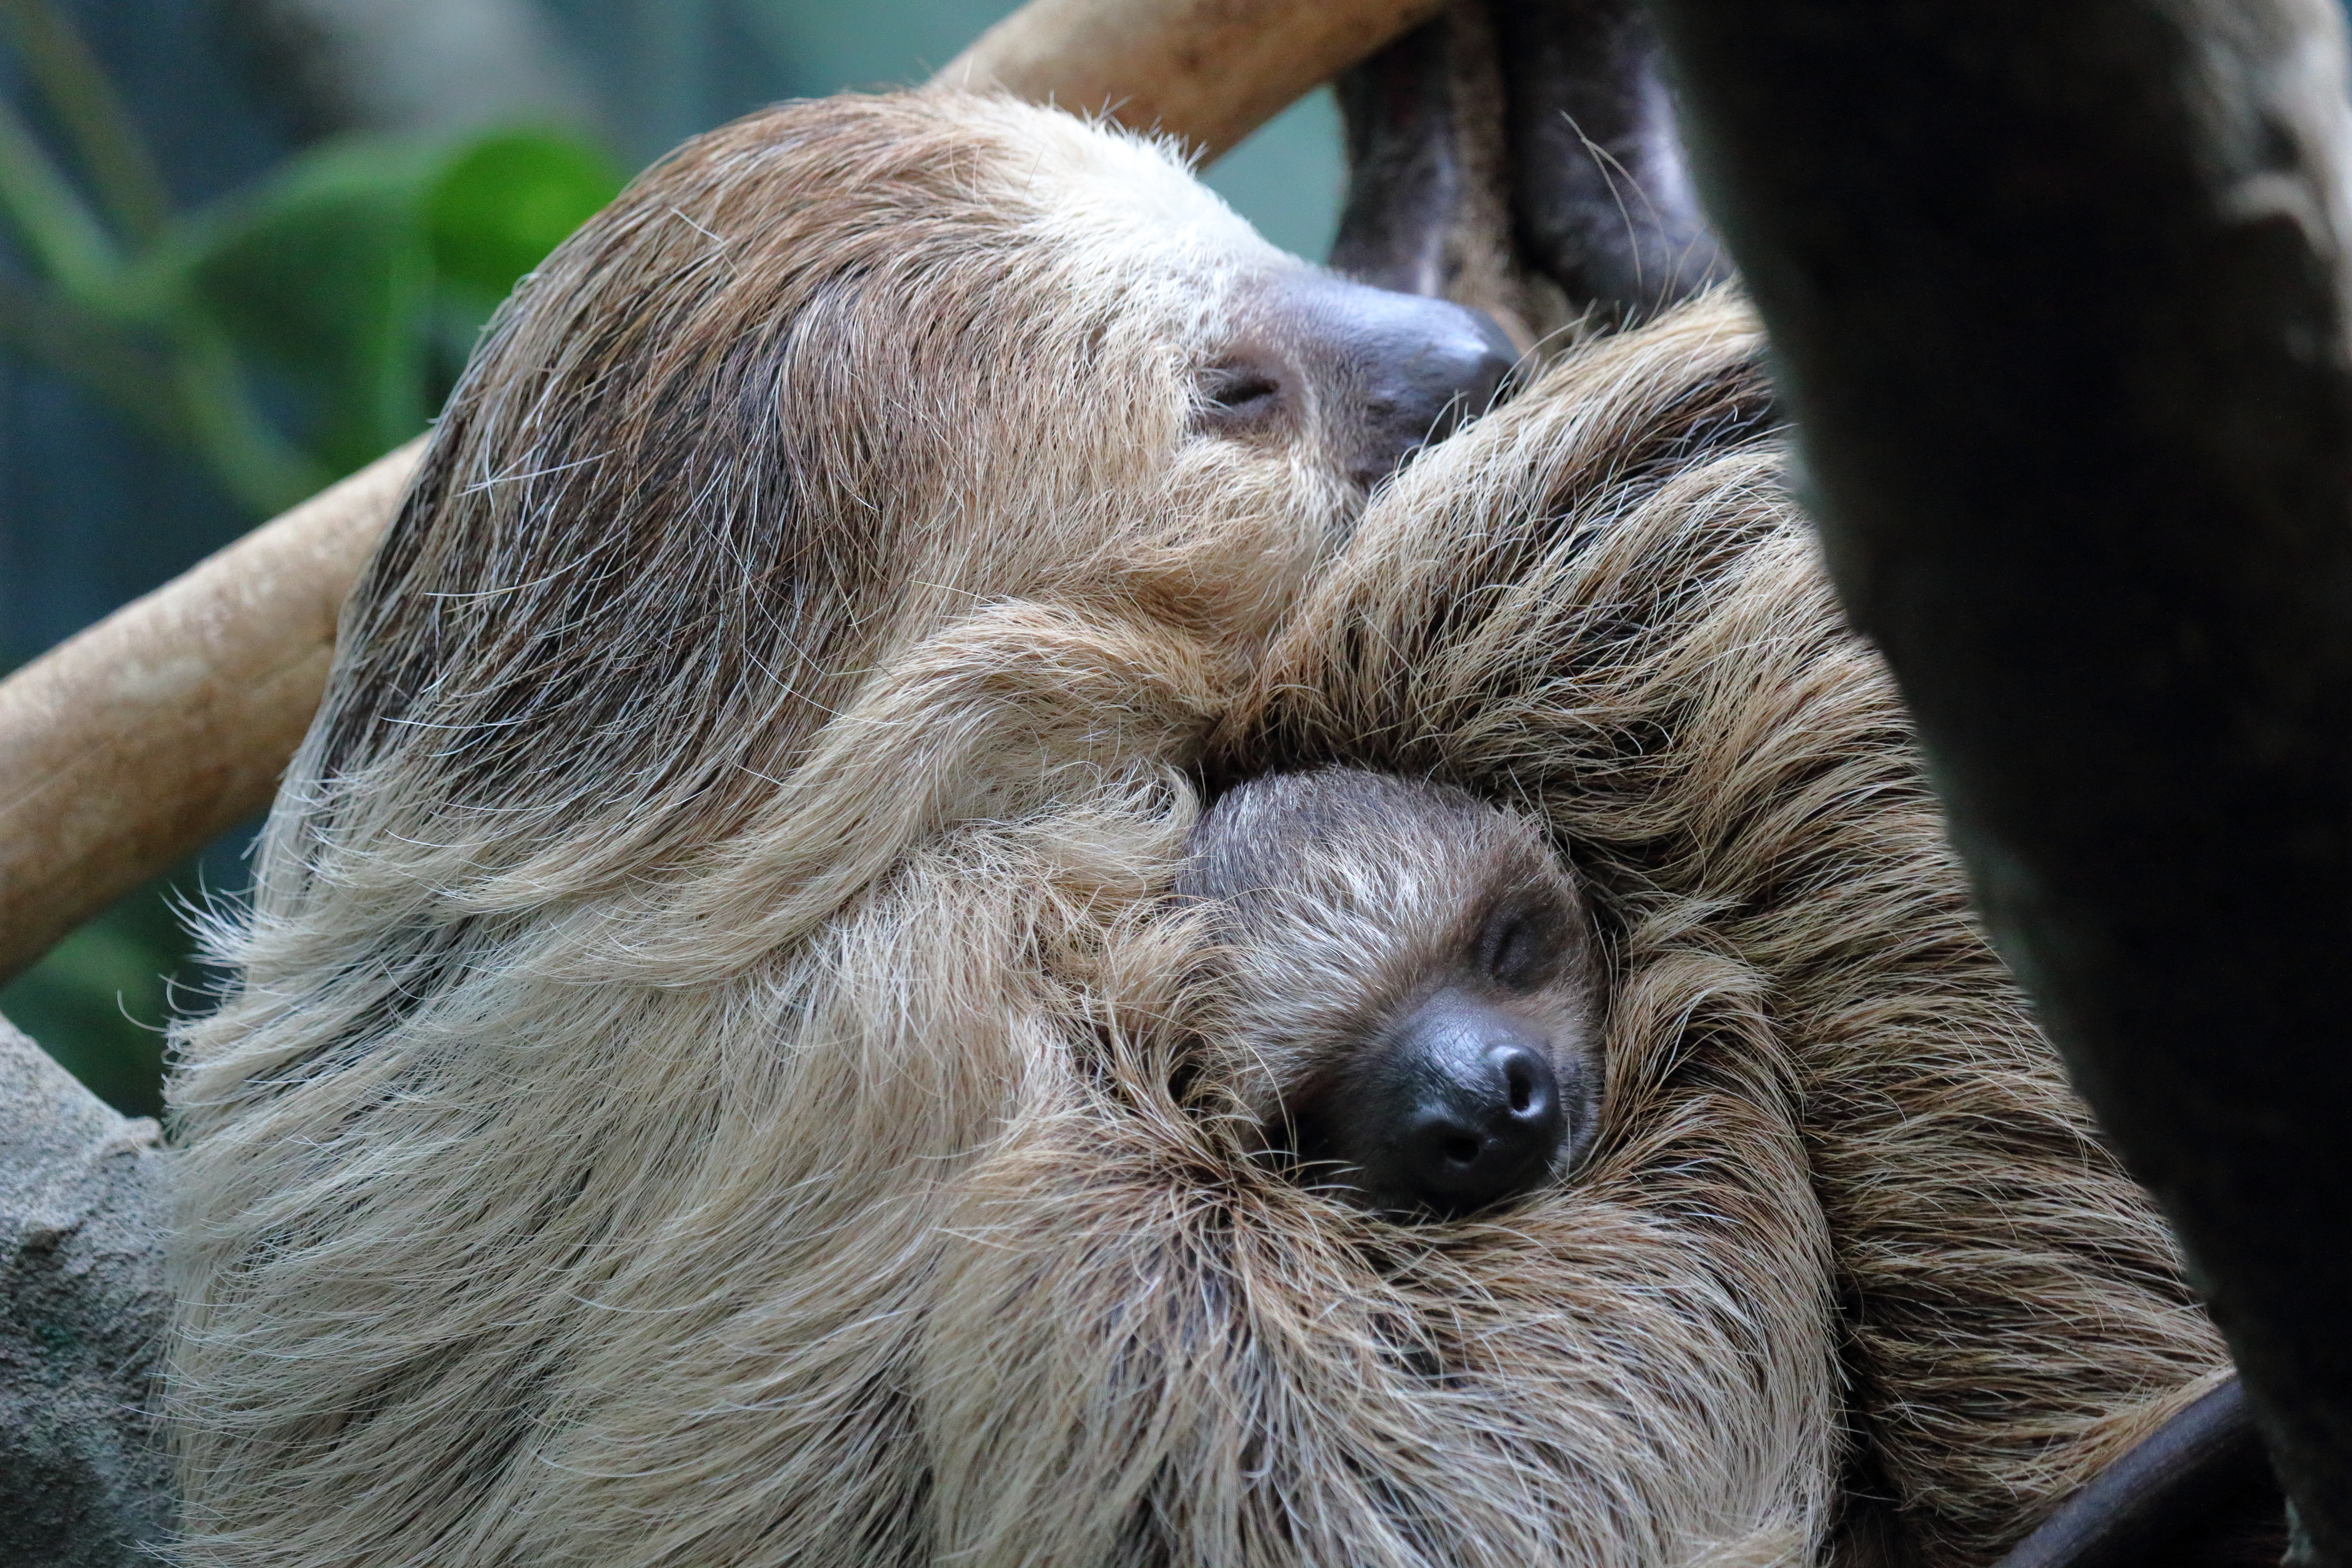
{"points": [[1601, 601]]}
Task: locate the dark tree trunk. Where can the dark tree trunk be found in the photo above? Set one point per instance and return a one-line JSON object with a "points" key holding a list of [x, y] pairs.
{"points": [[2056, 288]]}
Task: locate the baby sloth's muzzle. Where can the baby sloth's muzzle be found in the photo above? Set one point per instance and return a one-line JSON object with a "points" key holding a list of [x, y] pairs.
{"points": [[1461, 1109]]}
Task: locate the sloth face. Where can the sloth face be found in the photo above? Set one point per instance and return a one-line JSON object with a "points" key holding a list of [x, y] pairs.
{"points": [[1260, 397], [823, 384], [1272, 352], [1366, 375], [1413, 993]]}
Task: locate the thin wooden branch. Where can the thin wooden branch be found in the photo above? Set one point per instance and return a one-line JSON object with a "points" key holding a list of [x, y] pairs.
{"points": [[160, 728], [2058, 297], [1207, 71]]}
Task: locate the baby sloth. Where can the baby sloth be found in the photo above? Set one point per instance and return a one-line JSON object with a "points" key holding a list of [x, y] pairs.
{"points": [[1414, 1001]]}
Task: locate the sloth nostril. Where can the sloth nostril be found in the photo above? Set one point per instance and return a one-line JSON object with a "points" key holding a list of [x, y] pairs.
{"points": [[1460, 1151], [1522, 1089]]}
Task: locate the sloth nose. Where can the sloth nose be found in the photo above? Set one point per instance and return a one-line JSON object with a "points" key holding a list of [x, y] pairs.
{"points": [[1386, 373], [1425, 367], [1469, 1112]]}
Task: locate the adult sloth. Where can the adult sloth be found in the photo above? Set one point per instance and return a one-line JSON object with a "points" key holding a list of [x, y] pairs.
{"points": [[711, 942], [712, 1077]]}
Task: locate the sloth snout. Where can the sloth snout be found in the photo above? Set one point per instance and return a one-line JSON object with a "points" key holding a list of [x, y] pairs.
{"points": [[1426, 367], [1468, 1112], [1376, 374]]}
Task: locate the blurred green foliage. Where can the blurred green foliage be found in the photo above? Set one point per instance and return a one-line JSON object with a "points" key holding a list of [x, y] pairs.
{"points": [[501, 202], [282, 337], [98, 1002], [291, 332]]}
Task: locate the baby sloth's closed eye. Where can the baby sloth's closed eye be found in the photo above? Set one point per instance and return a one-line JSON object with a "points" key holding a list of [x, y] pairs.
{"points": [[1411, 983]]}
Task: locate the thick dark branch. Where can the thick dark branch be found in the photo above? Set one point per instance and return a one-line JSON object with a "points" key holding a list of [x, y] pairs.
{"points": [[2057, 295], [2195, 1492]]}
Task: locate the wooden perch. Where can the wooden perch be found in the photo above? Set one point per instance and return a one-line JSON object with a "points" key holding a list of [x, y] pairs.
{"points": [[138, 740], [2058, 297], [1208, 71], [167, 723]]}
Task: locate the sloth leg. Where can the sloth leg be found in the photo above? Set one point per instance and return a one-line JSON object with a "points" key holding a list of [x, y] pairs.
{"points": [[1520, 157]]}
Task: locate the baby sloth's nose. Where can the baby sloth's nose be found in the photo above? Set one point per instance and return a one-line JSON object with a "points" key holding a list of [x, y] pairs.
{"points": [[1467, 1113]]}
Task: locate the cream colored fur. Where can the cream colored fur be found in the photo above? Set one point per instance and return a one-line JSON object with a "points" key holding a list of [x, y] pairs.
{"points": [[697, 1089]]}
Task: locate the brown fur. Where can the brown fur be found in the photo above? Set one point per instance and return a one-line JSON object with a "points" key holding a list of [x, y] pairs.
{"points": [[697, 1086], [1603, 606], [1343, 902]]}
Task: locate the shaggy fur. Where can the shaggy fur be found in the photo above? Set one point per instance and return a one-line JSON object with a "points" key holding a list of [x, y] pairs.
{"points": [[835, 487], [1602, 605], [1341, 901], [698, 1087]]}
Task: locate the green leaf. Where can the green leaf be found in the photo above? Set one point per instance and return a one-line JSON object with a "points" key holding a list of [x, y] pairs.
{"points": [[288, 265], [322, 271], [502, 204]]}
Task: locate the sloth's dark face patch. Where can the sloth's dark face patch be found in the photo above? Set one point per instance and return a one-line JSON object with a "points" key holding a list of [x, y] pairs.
{"points": [[1370, 375]]}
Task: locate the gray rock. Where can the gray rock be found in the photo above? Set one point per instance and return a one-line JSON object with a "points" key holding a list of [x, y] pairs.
{"points": [[83, 1477]]}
